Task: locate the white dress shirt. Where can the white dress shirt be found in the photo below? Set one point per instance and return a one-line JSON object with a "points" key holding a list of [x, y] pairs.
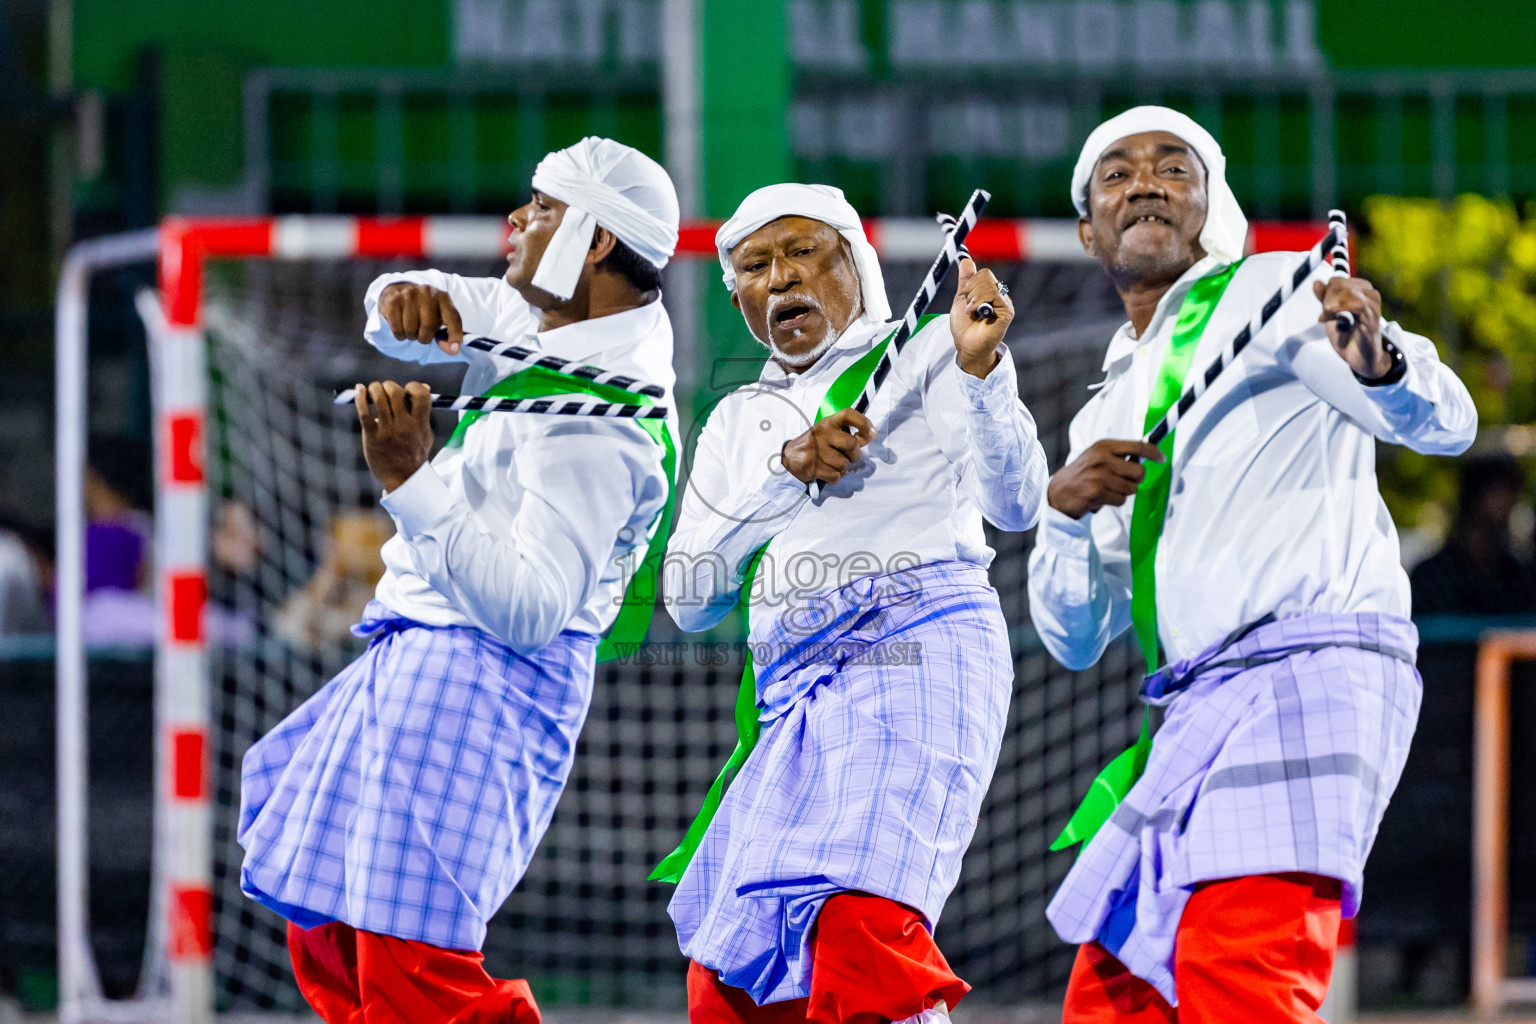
{"points": [[1273, 505], [950, 448], [536, 523]]}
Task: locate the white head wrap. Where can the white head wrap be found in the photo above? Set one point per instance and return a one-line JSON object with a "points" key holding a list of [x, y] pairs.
{"points": [[1225, 234], [613, 185], [818, 202]]}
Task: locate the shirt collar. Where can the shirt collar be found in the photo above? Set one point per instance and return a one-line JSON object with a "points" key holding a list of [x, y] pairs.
{"points": [[586, 338], [1124, 344]]}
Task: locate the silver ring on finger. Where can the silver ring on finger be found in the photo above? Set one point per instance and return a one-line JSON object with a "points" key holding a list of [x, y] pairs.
{"points": [[1002, 289]]}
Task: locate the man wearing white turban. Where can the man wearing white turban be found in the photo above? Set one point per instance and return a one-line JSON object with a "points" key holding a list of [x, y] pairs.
{"points": [[874, 700], [1252, 556], [391, 815]]}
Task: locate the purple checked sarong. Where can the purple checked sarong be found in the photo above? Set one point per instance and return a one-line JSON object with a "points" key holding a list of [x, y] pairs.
{"points": [[882, 705], [407, 796], [1278, 753]]}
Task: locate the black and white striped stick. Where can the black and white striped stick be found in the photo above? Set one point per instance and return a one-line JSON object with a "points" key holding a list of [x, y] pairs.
{"points": [[1339, 257], [954, 242], [1334, 249], [532, 357], [553, 405], [985, 310]]}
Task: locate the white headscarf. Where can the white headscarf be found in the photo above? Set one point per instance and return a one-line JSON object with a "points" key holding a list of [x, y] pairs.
{"points": [[613, 185], [818, 202], [1225, 234]]}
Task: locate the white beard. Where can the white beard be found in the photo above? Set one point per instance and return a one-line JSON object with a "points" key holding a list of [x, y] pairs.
{"points": [[804, 359]]}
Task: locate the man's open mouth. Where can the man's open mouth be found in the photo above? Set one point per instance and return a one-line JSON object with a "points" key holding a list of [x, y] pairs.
{"points": [[1147, 218], [792, 315]]}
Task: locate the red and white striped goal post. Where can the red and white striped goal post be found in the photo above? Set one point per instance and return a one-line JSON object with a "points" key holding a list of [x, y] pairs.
{"points": [[1492, 989], [185, 243], [182, 246]]}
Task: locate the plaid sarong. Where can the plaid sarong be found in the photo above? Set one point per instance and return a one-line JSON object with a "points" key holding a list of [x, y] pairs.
{"points": [[1278, 753], [407, 796], [883, 706]]}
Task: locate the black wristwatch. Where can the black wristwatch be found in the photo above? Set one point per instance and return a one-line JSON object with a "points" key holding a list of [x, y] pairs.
{"points": [[1392, 376]]}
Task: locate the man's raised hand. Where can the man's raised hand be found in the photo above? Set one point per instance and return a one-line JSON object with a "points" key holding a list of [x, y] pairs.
{"points": [[827, 450], [977, 337], [1362, 348], [419, 311], [397, 430], [1106, 474]]}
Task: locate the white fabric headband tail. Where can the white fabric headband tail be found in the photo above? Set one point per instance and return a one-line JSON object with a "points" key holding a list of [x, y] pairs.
{"points": [[1225, 234], [818, 202], [592, 179]]}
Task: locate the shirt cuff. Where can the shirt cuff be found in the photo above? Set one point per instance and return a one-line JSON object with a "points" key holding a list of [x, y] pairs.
{"points": [[783, 488], [1398, 395], [1000, 385], [420, 503], [1061, 532]]}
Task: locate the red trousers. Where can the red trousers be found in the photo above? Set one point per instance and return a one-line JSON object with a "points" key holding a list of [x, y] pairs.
{"points": [[1257, 949], [355, 977], [872, 961]]}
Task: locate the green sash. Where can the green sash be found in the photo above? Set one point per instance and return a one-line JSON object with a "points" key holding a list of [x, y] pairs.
{"points": [[843, 392], [1151, 505], [628, 630], [747, 728]]}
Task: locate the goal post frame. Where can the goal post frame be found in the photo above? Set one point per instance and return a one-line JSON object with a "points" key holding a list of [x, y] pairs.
{"points": [[178, 975], [79, 987], [1497, 652]]}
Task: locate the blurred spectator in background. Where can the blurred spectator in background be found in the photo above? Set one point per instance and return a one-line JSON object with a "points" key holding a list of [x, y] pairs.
{"points": [[1478, 572], [26, 578], [119, 537], [322, 613], [119, 532], [235, 543], [234, 585]]}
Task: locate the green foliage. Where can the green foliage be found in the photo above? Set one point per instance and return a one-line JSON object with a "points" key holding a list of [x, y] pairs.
{"points": [[1463, 273]]}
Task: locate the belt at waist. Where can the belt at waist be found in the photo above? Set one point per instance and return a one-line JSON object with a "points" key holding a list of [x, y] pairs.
{"points": [[1270, 639]]}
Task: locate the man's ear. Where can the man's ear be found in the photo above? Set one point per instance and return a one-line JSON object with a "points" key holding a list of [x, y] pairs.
{"points": [[603, 242], [1085, 235], [735, 300]]}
